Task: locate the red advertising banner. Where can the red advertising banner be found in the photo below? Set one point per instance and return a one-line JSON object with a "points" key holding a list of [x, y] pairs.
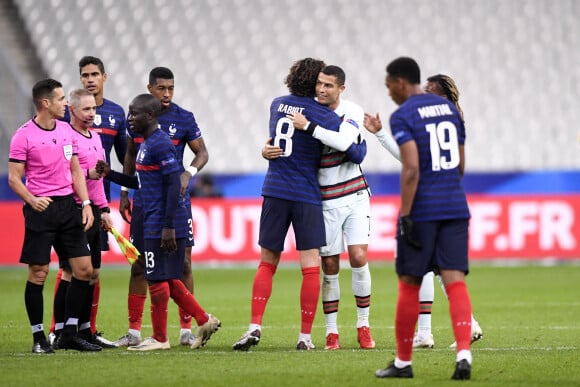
{"points": [[226, 230]]}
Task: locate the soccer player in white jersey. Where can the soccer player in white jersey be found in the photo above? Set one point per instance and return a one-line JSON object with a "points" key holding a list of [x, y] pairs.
{"points": [[346, 207]]}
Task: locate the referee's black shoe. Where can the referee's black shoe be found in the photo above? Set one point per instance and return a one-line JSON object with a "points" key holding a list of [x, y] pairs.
{"points": [[42, 346], [77, 343], [96, 339]]}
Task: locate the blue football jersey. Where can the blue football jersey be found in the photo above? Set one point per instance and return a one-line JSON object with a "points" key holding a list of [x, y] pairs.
{"points": [[435, 125], [155, 159], [294, 176], [179, 124]]}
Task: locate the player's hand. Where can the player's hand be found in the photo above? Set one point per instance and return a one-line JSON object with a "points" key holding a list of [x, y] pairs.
{"points": [[168, 242], [40, 204], [298, 119], [125, 206], [372, 123], [102, 168], [406, 231], [93, 174], [270, 152], [88, 217]]}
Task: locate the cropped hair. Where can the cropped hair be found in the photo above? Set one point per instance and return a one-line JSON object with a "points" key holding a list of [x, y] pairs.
{"points": [[301, 80], [44, 89], [87, 60], [148, 102], [75, 96], [159, 73], [337, 72], [447, 88], [405, 68]]}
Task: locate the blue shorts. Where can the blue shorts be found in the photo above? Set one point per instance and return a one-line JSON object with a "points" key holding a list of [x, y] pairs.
{"points": [[161, 265], [59, 226], [444, 246], [189, 242], [306, 219]]}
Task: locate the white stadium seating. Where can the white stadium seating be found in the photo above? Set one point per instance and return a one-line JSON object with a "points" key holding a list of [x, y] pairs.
{"points": [[516, 62]]}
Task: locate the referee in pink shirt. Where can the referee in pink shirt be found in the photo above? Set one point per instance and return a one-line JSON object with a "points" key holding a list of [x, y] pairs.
{"points": [[44, 151]]}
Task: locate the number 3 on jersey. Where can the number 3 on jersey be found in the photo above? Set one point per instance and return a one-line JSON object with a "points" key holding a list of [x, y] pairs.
{"points": [[284, 132], [443, 137]]}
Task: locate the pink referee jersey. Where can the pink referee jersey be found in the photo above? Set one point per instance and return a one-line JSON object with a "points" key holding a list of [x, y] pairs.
{"points": [[91, 150], [47, 154]]}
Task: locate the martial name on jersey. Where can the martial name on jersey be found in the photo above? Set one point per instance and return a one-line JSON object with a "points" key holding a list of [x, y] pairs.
{"points": [[434, 111]]}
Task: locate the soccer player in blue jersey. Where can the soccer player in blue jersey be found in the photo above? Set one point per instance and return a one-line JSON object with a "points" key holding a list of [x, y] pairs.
{"points": [[183, 131], [110, 120], [165, 231], [433, 222], [292, 196], [444, 86], [345, 204], [110, 123]]}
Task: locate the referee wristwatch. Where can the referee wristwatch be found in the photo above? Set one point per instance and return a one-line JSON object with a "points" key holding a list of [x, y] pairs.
{"points": [[86, 203]]}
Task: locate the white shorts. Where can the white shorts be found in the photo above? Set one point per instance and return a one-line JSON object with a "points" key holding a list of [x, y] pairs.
{"points": [[350, 224]]}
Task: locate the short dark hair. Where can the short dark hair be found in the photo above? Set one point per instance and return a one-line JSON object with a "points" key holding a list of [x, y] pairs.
{"points": [[336, 72], [159, 72], [405, 68], [44, 89], [301, 80], [148, 102], [87, 60]]}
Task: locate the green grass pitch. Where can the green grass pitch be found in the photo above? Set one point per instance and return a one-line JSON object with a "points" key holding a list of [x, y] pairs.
{"points": [[530, 317]]}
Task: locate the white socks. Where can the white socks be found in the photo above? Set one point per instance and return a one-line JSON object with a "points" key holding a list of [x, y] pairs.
{"points": [[330, 295], [361, 288]]}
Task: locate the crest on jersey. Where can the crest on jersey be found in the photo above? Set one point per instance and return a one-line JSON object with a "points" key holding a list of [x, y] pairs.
{"points": [[352, 122], [98, 120], [112, 121], [141, 154], [68, 151], [172, 130]]}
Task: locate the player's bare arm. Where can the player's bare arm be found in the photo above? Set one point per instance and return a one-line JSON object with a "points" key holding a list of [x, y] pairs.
{"points": [[409, 175], [200, 159], [461, 160]]}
